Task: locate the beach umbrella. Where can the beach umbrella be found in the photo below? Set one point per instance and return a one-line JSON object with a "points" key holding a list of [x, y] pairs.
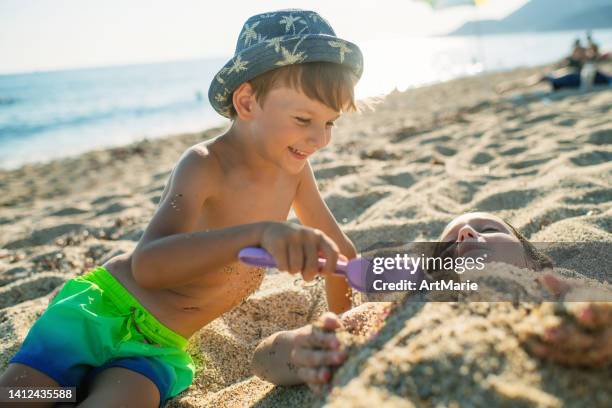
{"points": [[440, 4]]}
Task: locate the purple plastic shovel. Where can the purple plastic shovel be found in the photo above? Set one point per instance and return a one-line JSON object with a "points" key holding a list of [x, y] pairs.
{"points": [[355, 270]]}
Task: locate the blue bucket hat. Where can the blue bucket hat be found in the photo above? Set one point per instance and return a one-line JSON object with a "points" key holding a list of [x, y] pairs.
{"points": [[272, 40]]}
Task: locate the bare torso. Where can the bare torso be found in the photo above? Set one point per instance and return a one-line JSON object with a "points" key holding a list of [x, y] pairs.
{"points": [[240, 199]]}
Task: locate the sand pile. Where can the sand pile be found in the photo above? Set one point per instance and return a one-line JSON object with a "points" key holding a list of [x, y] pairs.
{"points": [[453, 354], [398, 174]]}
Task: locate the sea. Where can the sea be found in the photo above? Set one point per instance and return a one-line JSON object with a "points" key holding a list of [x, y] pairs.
{"points": [[48, 115]]}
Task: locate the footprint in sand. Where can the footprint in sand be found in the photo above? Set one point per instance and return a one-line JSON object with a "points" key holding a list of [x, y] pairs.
{"points": [[407, 133], [523, 164], [105, 198], [163, 175], [10, 220], [513, 151], [461, 192], [540, 118], [567, 122], [445, 151], [436, 140], [599, 196], [507, 200], [155, 199], [334, 171], [131, 235], [482, 158], [13, 274], [44, 236], [29, 288], [592, 158], [347, 208], [69, 211], [550, 216], [156, 189], [600, 137], [405, 179], [113, 208], [513, 129]]}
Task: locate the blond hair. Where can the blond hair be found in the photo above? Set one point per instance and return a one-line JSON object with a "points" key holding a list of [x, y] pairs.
{"points": [[327, 82]]}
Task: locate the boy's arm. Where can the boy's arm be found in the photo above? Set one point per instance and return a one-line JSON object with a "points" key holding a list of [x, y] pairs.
{"points": [[313, 212], [170, 253]]}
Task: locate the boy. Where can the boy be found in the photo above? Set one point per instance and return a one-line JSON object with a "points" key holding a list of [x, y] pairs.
{"points": [[124, 326]]}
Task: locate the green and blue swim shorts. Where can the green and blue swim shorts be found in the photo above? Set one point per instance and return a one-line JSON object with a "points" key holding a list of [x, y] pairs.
{"points": [[94, 323]]}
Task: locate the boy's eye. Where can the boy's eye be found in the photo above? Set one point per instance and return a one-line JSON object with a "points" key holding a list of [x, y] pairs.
{"points": [[490, 229], [305, 121]]}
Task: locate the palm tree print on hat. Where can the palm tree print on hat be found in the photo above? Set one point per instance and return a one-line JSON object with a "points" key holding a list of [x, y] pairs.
{"points": [[291, 57], [249, 33], [275, 41], [239, 65], [342, 48], [289, 22], [223, 71]]}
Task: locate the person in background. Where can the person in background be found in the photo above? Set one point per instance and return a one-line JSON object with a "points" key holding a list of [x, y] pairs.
{"points": [[577, 56], [592, 51]]}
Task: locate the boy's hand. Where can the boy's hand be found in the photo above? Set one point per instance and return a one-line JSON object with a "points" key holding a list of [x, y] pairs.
{"points": [[297, 249], [316, 350]]}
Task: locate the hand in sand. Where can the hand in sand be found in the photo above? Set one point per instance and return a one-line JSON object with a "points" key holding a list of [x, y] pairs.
{"points": [[317, 350], [296, 249], [583, 338]]}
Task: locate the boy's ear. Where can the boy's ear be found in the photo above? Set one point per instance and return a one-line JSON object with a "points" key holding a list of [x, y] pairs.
{"points": [[244, 100]]}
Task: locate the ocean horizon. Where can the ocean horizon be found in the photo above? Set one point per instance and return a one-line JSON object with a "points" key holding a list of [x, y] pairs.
{"points": [[53, 114]]}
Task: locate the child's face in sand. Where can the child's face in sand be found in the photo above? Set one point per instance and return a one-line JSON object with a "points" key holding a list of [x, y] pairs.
{"points": [[291, 127], [483, 234]]}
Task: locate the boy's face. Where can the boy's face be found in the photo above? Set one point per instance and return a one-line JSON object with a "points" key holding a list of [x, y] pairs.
{"points": [[291, 127]]}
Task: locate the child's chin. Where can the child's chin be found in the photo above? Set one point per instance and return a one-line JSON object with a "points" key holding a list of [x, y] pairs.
{"points": [[293, 166]]}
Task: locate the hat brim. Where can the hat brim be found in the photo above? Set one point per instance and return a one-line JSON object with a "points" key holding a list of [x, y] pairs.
{"points": [[275, 53]]}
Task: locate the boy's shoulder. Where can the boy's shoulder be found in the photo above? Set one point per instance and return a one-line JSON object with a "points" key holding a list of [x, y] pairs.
{"points": [[198, 157], [197, 167]]}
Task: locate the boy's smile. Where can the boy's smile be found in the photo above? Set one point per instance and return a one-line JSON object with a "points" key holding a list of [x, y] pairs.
{"points": [[290, 127], [299, 154]]}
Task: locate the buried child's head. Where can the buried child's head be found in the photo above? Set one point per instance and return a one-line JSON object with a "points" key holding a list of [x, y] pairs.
{"points": [[481, 234]]}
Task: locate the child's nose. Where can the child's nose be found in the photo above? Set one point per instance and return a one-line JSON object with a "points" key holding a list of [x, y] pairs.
{"points": [[466, 232], [319, 138]]}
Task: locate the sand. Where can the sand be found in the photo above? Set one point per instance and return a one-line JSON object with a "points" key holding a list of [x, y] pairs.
{"points": [[395, 174]]}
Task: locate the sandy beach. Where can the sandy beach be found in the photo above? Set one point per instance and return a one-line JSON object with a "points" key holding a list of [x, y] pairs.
{"points": [[397, 173]]}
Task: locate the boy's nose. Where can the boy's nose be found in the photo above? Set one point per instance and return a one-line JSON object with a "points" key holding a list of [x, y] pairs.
{"points": [[318, 138], [466, 232]]}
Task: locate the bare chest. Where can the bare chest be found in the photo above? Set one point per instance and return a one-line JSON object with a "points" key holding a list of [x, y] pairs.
{"points": [[186, 308], [243, 203]]}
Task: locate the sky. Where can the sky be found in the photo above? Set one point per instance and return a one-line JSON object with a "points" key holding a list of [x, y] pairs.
{"points": [[37, 35]]}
